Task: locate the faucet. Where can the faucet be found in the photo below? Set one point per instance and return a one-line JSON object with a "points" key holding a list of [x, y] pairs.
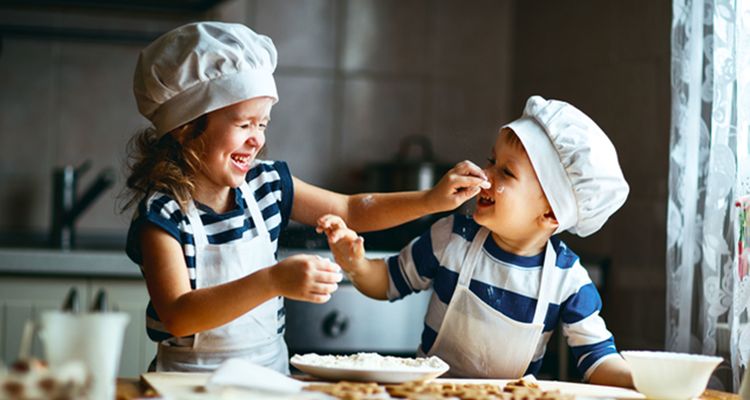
{"points": [[67, 206]]}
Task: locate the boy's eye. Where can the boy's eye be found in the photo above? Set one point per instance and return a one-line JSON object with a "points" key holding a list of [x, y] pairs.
{"points": [[506, 171], [491, 160]]}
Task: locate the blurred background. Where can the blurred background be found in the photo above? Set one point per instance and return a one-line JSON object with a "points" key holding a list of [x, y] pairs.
{"points": [[358, 81]]}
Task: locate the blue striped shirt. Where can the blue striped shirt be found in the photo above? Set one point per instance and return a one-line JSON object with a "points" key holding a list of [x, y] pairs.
{"points": [[508, 283], [271, 184]]}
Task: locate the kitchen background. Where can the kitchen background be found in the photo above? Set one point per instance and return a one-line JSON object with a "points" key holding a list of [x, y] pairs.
{"points": [[356, 77]]}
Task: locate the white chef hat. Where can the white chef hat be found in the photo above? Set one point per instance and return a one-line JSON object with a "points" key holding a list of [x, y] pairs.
{"points": [[575, 162], [201, 67]]}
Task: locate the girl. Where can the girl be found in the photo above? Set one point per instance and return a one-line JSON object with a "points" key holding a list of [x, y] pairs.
{"points": [[209, 213]]}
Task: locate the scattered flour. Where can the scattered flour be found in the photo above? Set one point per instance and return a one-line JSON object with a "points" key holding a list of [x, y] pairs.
{"points": [[369, 361]]}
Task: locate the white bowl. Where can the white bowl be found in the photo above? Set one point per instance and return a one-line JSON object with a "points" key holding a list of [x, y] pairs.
{"points": [[665, 375]]}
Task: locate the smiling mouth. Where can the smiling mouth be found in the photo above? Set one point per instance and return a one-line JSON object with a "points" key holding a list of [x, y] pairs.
{"points": [[241, 160], [485, 200]]}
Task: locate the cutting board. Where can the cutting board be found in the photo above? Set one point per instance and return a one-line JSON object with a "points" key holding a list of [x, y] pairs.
{"points": [[184, 385], [190, 386]]}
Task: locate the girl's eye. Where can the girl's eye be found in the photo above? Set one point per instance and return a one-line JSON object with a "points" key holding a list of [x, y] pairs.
{"points": [[491, 160], [506, 171]]}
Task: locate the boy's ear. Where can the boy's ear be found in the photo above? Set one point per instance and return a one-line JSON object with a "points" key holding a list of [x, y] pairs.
{"points": [[549, 220]]}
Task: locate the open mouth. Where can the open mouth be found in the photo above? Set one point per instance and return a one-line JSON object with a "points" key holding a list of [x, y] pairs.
{"points": [[242, 161], [485, 200]]}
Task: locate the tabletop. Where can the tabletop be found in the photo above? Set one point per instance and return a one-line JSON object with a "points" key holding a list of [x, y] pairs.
{"points": [[135, 388]]}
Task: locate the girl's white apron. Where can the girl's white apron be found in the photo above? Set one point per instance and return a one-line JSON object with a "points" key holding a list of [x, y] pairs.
{"points": [[478, 341], [256, 335]]}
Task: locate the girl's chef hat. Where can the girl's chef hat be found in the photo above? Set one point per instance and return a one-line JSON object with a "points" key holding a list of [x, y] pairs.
{"points": [[201, 67], [575, 161]]}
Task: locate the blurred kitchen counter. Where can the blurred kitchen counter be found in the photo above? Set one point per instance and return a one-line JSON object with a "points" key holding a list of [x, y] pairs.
{"points": [[96, 263], [74, 263]]}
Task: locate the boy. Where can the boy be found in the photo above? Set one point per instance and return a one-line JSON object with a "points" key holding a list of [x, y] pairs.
{"points": [[501, 280]]}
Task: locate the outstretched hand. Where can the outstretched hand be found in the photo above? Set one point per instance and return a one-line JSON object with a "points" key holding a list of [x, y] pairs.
{"points": [[347, 247], [307, 278], [458, 185]]}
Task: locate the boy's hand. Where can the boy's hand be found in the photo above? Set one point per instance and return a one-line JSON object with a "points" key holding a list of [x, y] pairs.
{"points": [[306, 277], [459, 184], [347, 247]]}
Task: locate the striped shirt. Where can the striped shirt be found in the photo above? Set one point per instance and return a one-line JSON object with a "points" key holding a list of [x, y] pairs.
{"points": [[508, 283], [271, 184]]}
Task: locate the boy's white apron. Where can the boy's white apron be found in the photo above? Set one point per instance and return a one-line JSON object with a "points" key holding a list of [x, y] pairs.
{"points": [[479, 341], [254, 336]]}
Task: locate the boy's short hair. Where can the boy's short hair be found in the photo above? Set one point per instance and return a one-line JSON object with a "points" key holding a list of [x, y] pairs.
{"points": [[575, 161]]}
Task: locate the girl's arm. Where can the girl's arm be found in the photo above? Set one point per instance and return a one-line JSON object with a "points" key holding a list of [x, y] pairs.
{"points": [[369, 276], [184, 311], [375, 211]]}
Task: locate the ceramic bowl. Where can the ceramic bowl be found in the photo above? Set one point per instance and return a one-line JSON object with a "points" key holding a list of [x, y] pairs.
{"points": [[665, 375]]}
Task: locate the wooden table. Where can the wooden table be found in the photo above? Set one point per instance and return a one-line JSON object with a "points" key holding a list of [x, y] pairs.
{"points": [[131, 388]]}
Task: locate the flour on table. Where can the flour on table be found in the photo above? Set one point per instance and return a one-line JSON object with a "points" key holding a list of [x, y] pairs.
{"points": [[368, 361]]}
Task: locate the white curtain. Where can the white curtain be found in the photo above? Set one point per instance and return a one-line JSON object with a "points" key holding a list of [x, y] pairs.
{"points": [[708, 290]]}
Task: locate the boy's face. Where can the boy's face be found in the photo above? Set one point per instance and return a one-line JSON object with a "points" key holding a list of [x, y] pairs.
{"points": [[233, 137], [515, 206]]}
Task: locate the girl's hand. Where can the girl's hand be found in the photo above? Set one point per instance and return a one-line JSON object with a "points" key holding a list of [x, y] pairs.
{"points": [[459, 184], [347, 247], [306, 277]]}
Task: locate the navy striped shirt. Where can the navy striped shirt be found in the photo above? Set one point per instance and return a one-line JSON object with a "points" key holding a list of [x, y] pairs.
{"points": [[508, 283], [271, 184]]}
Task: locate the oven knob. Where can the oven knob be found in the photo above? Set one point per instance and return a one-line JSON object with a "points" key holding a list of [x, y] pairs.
{"points": [[335, 324]]}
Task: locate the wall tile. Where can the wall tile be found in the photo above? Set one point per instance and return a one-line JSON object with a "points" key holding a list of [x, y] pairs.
{"points": [[27, 134], [465, 118], [556, 36], [471, 40], [376, 116], [385, 36], [304, 31], [97, 117], [301, 129], [637, 23]]}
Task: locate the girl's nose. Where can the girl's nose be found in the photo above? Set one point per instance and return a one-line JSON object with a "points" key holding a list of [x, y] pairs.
{"points": [[256, 139]]}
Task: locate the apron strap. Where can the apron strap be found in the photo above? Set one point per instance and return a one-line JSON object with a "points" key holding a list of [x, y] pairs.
{"points": [[200, 238], [472, 256], [547, 279], [545, 286], [254, 208], [199, 232]]}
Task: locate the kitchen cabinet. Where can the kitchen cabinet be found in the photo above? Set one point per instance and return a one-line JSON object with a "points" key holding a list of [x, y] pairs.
{"points": [[24, 298]]}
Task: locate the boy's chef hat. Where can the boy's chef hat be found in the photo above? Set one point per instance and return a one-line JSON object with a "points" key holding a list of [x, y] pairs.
{"points": [[201, 67], [575, 161]]}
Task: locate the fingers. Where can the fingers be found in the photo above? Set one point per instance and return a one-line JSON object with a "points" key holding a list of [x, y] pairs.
{"points": [[328, 222], [467, 167], [335, 228], [466, 181]]}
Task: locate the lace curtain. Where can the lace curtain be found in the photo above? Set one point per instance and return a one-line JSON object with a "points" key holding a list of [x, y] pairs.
{"points": [[708, 288]]}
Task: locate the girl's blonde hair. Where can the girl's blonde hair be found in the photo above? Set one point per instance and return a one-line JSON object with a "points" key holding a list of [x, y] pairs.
{"points": [[165, 163]]}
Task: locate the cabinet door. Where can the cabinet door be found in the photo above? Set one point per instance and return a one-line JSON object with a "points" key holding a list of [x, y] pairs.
{"points": [[130, 296], [24, 299]]}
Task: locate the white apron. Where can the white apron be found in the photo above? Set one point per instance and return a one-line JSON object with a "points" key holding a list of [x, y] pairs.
{"points": [[478, 341], [253, 336]]}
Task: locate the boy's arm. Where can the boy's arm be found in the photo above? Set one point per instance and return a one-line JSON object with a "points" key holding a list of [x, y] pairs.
{"points": [[613, 371], [369, 276], [375, 211]]}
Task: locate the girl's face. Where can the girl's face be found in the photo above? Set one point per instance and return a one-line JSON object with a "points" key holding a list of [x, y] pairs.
{"points": [[515, 205], [233, 137]]}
